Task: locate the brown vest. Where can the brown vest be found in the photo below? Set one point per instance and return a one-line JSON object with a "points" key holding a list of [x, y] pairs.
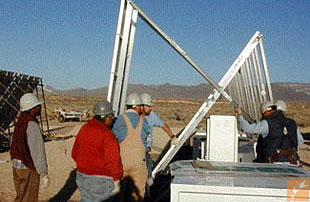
{"points": [[19, 147]]}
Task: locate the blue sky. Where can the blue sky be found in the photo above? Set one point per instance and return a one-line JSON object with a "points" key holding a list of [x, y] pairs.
{"points": [[70, 43]]}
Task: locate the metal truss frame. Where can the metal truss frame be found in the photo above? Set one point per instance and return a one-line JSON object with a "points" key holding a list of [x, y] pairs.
{"points": [[245, 84]]}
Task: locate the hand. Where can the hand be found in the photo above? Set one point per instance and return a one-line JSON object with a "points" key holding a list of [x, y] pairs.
{"points": [[238, 111], [174, 141], [117, 187], [45, 182]]}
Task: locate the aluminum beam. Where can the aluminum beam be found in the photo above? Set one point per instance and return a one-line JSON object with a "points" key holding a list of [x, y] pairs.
{"points": [[122, 55]]}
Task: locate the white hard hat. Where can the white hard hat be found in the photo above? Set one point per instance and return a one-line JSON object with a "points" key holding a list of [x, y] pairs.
{"points": [[28, 101], [133, 99], [147, 99], [281, 106], [103, 108], [266, 105]]}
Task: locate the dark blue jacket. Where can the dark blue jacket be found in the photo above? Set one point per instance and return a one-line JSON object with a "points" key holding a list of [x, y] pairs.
{"points": [[272, 142]]}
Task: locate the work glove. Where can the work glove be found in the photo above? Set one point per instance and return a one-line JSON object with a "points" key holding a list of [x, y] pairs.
{"points": [[174, 141], [117, 187], [150, 181], [45, 182]]}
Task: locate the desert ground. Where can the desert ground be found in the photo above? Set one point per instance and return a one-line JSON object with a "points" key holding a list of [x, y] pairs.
{"points": [[177, 113]]}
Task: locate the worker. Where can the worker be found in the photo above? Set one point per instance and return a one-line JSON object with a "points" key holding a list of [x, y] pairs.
{"points": [[96, 153], [292, 137], [270, 127], [282, 108], [131, 130], [153, 120], [28, 151]]}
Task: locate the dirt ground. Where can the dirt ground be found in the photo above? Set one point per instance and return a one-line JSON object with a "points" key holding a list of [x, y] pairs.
{"points": [[60, 164]]}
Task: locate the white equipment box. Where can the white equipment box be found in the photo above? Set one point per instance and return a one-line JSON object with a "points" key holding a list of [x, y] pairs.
{"points": [[204, 181], [222, 139]]}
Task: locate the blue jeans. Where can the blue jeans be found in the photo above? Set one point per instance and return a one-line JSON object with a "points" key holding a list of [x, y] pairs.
{"points": [[94, 188]]}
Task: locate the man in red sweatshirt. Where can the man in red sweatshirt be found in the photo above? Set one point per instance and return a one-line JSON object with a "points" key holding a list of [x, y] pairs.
{"points": [[97, 156]]}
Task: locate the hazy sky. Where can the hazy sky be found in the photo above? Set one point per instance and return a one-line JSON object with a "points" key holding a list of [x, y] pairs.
{"points": [[70, 43]]}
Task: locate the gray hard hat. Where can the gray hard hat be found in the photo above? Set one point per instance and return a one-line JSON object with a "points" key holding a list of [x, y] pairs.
{"points": [[103, 108], [133, 99], [147, 99], [281, 106], [266, 105]]}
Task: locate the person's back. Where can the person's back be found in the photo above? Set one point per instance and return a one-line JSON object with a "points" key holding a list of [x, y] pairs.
{"points": [[97, 155], [92, 150], [131, 130], [290, 136], [120, 128], [273, 140]]}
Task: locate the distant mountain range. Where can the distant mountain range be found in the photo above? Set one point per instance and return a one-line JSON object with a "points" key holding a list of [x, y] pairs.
{"points": [[283, 91]]}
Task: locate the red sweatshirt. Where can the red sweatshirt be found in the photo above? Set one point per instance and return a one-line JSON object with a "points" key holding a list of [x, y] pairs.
{"points": [[96, 151]]}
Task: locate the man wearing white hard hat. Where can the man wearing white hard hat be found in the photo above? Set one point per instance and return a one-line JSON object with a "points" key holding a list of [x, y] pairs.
{"points": [[282, 108], [292, 136], [271, 128], [154, 120], [28, 151], [131, 130]]}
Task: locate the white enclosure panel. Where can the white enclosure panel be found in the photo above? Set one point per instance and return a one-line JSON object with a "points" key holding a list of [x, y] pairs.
{"points": [[200, 180], [211, 197], [222, 138]]}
